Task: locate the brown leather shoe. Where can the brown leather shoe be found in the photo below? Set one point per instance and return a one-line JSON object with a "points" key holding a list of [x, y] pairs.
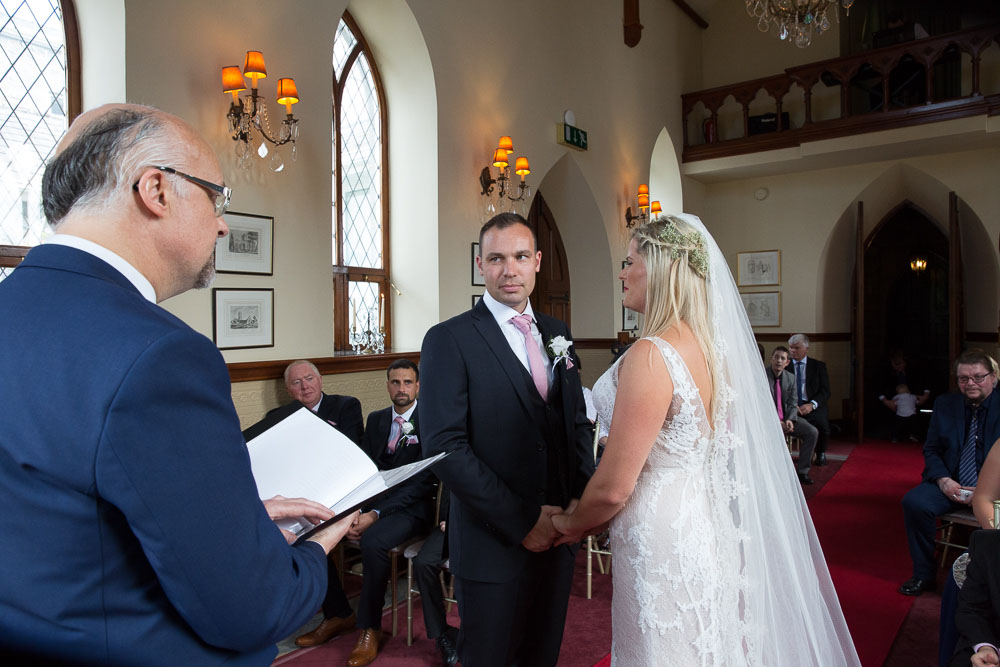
{"points": [[327, 630], [366, 650]]}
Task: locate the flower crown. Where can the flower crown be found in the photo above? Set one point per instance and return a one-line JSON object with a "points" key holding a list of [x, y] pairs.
{"points": [[691, 242]]}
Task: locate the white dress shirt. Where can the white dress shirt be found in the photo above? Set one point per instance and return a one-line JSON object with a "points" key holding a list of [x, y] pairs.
{"points": [[503, 313], [406, 417], [116, 261]]}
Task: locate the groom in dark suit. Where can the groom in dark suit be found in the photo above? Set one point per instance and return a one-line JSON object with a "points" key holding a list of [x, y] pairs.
{"points": [[502, 395]]}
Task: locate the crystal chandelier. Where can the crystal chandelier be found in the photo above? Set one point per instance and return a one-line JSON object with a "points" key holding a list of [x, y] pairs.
{"points": [[796, 20], [248, 117]]}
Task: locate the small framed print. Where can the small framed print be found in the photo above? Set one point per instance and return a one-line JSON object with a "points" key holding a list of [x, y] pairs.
{"points": [[476, 298], [477, 278], [248, 247], [763, 308], [759, 267], [243, 318], [630, 319]]}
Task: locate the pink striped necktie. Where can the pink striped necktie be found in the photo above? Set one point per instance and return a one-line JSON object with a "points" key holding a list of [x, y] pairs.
{"points": [[777, 397], [399, 433], [535, 361]]}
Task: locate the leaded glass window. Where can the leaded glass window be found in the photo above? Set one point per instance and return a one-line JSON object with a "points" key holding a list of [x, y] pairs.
{"points": [[359, 234]]}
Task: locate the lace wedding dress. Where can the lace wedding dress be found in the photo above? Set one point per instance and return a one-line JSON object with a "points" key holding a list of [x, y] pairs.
{"points": [[677, 585]]}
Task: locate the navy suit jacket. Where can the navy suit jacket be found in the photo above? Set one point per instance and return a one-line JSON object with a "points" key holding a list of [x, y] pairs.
{"points": [[946, 434], [343, 412], [414, 496], [477, 402], [131, 528], [817, 381], [978, 614]]}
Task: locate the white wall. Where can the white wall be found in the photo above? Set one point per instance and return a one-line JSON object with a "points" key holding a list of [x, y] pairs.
{"points": [[102, 50]]}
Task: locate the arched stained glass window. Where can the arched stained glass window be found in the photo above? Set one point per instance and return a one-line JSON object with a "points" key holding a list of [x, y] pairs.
{"points": [[360, 208], [37, 100]]}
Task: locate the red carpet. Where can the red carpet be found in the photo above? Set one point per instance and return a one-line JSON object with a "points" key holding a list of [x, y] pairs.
{"points": [[860, 525]]}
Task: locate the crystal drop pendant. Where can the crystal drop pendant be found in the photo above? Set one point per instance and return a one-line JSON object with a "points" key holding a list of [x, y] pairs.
{"points": [[262, 150]]}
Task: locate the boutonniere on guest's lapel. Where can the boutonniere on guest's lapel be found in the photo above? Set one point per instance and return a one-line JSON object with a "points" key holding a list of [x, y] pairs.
{"points": [[558, 348], [408, 435]]}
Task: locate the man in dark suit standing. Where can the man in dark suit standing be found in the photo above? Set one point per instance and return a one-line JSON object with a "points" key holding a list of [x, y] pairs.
{"points": [[502, 396], [963, 428], [392, 439], [786, 402], [132, 529], [305, 385], [813, 386]]}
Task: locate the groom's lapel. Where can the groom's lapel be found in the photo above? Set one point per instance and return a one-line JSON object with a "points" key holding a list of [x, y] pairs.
{"points": [[486, 325]]}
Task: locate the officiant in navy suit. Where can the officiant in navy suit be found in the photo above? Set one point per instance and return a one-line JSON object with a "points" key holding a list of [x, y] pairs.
{"points": [[501, 394]]}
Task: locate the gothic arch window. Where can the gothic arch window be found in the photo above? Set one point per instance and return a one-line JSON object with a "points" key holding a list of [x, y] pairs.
{"points": [[361, 277], [39, 96]]}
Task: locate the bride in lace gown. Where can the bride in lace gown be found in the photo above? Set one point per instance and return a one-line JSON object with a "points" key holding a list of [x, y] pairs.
{"points": [[716, 561]]}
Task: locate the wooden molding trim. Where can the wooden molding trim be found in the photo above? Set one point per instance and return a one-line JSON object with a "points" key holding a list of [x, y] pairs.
{"points": [[779, 337], [347, 363], [594, 343], [982, 337], [692, 14]]}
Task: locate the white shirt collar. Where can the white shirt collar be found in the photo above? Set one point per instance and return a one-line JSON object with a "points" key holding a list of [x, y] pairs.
{"points": [[117, 262], [315, 408], [502, 312], [406, 415]]}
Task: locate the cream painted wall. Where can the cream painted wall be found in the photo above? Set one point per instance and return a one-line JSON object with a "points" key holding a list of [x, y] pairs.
{"points": [[102, 50]]}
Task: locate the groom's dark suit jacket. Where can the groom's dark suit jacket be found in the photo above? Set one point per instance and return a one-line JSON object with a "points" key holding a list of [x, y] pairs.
{"points": [[510, 452]]}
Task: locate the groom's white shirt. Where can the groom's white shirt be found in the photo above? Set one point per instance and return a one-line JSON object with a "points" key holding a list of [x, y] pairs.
{"points": [[503, 313]]}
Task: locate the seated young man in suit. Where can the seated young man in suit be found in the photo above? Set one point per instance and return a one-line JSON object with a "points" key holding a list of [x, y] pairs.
{"points": [[305, 384], [391, 440], [786, 404]]}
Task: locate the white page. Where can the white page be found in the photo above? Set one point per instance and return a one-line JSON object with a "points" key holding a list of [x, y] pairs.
{"points": [[302, 456]]}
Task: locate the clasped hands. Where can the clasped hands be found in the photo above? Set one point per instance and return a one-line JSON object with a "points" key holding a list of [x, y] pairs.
{"points": [[553, 528]]}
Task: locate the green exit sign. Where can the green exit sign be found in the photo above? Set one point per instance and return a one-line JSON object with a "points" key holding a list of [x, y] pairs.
{"points": [[574, 137]]}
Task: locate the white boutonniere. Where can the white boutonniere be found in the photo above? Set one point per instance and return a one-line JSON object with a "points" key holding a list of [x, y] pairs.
{"points": [[559, 351], [407, 429]]}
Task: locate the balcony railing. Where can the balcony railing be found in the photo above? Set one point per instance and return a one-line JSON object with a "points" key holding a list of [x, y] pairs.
{"points": [[920, 81]]}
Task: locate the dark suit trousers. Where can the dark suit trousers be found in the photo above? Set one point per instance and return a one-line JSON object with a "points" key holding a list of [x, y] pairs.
{"points": [[426, 567], [518, 622], [335, 603], [820, 419], [381, 536], [921, 507]]}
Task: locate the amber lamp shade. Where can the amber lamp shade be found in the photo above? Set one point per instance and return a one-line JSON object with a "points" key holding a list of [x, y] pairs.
{"points": [[643, 201], [232, 79], [500, 158], [521, 167], [644, 190], [254, 67], [655, 208], [287, 94], [507, 144]]}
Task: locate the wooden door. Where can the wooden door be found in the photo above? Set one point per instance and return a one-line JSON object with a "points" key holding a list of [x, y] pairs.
{"points": [[859, 322], [956, 309], [551, 293]]}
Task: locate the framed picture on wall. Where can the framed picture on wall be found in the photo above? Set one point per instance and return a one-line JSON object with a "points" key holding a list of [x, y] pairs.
{"points": [[763, 308], [242, 318], [248, 247], [475, 299], [477, 278], [630, 319], [759, 267]]}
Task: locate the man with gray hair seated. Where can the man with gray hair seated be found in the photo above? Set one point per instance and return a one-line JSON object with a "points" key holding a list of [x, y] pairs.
{"points": [[813, 386], [305, 385]]}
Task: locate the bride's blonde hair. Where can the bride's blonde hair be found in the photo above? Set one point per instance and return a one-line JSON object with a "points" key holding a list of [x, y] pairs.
{"points": [[677, 283]]}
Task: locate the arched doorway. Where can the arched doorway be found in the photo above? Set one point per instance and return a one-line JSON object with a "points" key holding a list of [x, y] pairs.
{"points": [[905, 310], [551, 293]]}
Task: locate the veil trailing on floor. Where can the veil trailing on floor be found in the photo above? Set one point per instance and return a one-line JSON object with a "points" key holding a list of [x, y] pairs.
{"points": [[789, 611]]}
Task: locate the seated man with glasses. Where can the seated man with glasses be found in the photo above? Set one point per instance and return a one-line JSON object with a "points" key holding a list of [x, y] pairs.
{"points": [[963, 427]]}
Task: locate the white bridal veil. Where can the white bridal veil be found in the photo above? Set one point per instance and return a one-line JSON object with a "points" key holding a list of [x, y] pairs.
{"points": [[788, 606]]}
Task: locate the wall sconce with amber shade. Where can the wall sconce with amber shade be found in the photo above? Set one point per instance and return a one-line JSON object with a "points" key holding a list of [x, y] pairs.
{"points": [[918, 264], [248, 117], [646, 209], [500, 192]]}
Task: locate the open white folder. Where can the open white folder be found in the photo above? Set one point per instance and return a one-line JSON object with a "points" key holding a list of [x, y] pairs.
{"points": [[303, 456]]}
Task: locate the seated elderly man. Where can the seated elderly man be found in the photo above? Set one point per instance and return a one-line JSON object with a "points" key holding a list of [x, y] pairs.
{"points": [[305, 384], [963, 428], [786, 402], [813, 386]]}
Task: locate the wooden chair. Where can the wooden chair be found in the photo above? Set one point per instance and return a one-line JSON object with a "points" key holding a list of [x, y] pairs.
{"points": [[594, 548], [793, 442], [963, 517]]}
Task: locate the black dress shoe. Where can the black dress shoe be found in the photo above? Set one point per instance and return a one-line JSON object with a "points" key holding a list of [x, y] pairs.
{"points": [[914, 586], [446, 645], [820, 459], [805, 478]]}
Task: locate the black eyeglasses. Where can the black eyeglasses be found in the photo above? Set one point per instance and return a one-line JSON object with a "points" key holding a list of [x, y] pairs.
{"points": [[221, 194]]}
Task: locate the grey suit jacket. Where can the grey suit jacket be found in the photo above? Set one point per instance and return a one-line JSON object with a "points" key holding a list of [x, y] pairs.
{"points": [[789, 394]]}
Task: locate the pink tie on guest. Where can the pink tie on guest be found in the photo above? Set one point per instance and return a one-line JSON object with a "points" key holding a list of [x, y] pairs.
{"points": [[535, 361], [777, 397], [398, 427]]}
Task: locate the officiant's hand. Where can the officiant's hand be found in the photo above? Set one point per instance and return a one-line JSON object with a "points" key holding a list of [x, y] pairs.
{"points": [[330, 535], [363, 523], [280, 507], [543, 534]]}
